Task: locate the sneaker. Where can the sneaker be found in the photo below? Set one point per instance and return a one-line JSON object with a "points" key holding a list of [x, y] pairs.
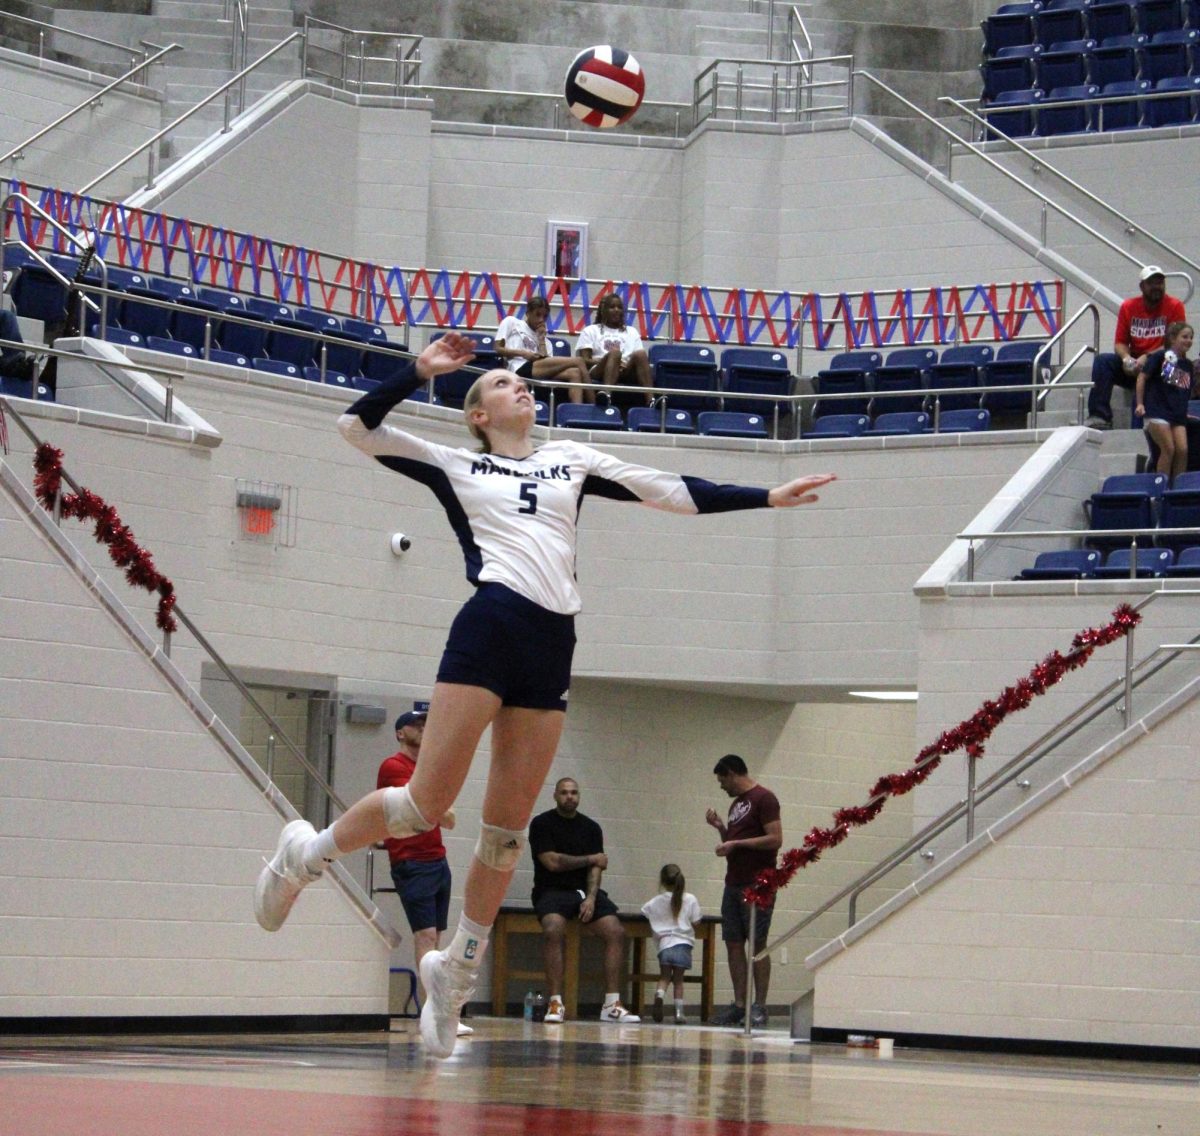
{"points": [[448, 984], [603, 398], [464, 1030], [680, 1019], [554, 1012], [657, 1012], [758, 1015], [732, 1015], [615, 1012], [1095, 422], [284, 876]]}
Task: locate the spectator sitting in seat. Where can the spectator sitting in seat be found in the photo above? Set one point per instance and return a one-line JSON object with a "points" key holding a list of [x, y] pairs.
{"points": [[15, 363], [621, 356], [1164, 386], [521, 343], [1141, 324]]}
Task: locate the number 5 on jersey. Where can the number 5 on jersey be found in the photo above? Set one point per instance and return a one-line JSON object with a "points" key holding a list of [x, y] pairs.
{"points": [[529, 496]]}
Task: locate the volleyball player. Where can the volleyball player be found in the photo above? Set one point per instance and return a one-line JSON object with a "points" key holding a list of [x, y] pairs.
{"points": [[514, 507]]}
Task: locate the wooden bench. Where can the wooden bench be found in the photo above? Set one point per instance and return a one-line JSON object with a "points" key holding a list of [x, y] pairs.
{"points": [[512, 921]]}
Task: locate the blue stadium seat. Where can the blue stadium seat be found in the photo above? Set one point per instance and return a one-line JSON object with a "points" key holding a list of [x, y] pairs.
{"points": [[1125, 501], [1171, 54], [1108, 18], [1006, 73], [120, 279], [903, 370], [190, 318], [1011, 115], [1155, 16], [1063, 564], [754, 370], [541, 412], [277, 367], [646, 419], [145, 318], [1059, 20], [1013, 363], [1056, 119], [317, 321], [383, 365], [1187, 563], [229, 358], [422, 394], [123, 338], [838, 426], [248, 335], [1180, 509], [960, 421], [1008, 28], [958, 367], [1126, 114], [687, 366], [365, 331], [166, 288], [1151, 564], [283, 343], [849, 372], [343, 352], [171, 346], [332, 378], [583, 416], [37, 294], [898, 423], [559, 346], [272, 309], [728, 424], [1174, 112], [1116, 60], [1063, 68]]}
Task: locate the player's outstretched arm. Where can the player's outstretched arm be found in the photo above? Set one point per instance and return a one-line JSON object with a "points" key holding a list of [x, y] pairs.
{"points": [[798, 492]]}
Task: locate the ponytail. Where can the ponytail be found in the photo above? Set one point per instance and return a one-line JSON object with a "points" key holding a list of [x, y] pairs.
{"points": [[671, 879]]}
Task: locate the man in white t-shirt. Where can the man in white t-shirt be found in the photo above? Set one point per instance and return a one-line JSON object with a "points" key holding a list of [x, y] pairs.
{"points": [[521, 343], [612, 349]]}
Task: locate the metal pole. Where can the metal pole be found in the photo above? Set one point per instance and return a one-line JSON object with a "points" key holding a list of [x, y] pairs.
{"points": [[750, 991], [970, 797], [271, 757], [1129, 679]]}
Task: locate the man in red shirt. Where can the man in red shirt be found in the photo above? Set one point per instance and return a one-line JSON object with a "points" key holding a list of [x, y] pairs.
{"points": [[750, 837], [419, 868], [1141, 324]]}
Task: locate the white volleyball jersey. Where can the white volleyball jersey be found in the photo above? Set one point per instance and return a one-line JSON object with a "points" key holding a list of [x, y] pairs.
{"points": [[516, 518], [517, 335]]}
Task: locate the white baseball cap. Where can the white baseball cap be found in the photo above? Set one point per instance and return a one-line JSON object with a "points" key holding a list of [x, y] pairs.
{"points": [[1150, 270]]}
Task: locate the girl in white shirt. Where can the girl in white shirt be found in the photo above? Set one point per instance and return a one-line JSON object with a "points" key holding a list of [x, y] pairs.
{"points": [[672, 914]]}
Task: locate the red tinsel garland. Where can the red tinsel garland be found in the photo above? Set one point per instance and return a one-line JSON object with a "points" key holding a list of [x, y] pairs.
{"points": [[968, 735], [122, 548]]}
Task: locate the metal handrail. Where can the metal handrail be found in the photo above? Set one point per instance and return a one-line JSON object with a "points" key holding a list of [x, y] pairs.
{"points": [[407, 62], [155, 138], [213, 655], [706, 99], [1110, 695], [239, 22], [59, 31], [1131, 226], [43, 262], [18, 151], [1056, 339]]}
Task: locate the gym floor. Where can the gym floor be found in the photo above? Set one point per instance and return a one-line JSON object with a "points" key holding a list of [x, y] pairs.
{"points": [[579, 1079]]}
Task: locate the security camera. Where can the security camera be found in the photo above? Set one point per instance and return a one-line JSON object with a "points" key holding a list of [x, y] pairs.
{"points": [[400, 544]]}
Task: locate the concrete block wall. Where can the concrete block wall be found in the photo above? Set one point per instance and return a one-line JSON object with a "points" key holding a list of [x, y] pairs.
{"points": [[129, 842], [37, 92], [1073, 927]]}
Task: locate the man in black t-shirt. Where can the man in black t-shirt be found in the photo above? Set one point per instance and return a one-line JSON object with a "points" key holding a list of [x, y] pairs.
{"points": [[568, 860]]}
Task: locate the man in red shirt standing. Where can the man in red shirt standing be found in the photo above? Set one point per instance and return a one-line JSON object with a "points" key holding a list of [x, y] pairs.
{"points": [[419, 868], [1141, 324], [750, 837]]}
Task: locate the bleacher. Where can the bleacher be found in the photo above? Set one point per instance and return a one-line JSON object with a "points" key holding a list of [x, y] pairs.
{"points": [[1055, 67]]}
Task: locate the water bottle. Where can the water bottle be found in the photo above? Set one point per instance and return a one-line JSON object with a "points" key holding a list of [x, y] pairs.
{"points": [[539, 1007], [529, 1005]]}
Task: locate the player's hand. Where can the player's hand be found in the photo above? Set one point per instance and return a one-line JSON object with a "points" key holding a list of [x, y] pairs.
{"points": [[1140, 410], [798, 492], [712, 818], [587, 909], [452, 351], [599, 860]]}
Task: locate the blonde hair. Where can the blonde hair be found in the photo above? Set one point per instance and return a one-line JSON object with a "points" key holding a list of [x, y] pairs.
{"points": [[671, 879], [473, 401]]}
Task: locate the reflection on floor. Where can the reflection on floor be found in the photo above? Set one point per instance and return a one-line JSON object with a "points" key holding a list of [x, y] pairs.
{"points": [[582, 1079]]}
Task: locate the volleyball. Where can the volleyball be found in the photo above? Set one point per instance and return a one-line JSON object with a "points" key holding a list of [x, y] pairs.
{"points": [[605, 86]]}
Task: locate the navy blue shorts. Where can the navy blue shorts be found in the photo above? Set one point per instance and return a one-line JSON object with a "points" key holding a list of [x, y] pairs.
{"points": [[424, 889], [511, 646], [735, 918]]}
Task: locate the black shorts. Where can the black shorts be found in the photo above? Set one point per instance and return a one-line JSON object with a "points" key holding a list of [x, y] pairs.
{"points": [[511, 646], [525, 370], [561, 901], [735, 918]]}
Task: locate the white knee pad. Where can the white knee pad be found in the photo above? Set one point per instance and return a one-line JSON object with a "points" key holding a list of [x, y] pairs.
{"points": [[499, 848], [401, 815]]}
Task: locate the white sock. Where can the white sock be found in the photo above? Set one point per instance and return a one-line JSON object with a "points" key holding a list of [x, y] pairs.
{"points": [[321, 850], [469, 942], [659, 995], [679, 1007], [609, 999]]}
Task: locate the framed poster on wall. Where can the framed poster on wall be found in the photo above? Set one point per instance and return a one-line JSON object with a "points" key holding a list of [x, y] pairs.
{"points": [[566, 248]]}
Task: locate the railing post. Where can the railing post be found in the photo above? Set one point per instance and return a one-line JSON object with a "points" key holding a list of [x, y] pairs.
{"points": [[271, 758], [750, 991], [169, 399], [167, 644], [970, 797], [1129, 678], [970, 561]]}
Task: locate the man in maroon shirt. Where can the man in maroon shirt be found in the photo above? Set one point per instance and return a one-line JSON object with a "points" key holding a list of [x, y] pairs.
{"points": [[419, 868], [1142, 322], [750, 837]]}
